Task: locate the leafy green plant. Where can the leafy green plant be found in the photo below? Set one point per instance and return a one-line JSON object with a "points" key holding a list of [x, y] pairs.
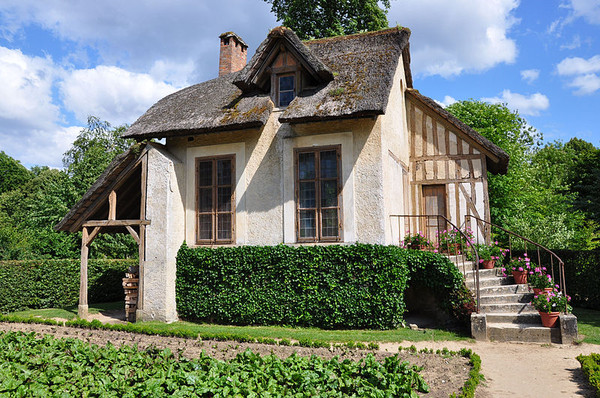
{"points": [[491, 252], [537, 278], [70, 367], [591, 368], [518, 264]]}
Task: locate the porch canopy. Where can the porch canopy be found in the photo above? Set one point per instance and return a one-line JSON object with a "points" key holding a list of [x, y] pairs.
{"points": [[114, 203]]}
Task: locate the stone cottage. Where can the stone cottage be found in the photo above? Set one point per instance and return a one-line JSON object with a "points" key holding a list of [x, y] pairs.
{"points": [[322, 141]]}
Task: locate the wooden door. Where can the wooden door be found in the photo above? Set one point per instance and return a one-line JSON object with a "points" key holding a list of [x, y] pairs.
{"points": [[434, 204]]}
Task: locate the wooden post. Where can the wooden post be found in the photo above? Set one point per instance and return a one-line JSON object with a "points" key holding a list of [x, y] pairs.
{"points": [[82, 310], [142, 238]]}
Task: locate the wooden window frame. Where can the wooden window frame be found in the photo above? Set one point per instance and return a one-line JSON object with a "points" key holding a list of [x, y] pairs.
{"points": [[318, 209], [214, 211]]}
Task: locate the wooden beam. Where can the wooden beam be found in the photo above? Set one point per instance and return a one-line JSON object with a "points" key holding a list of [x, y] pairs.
{"points": [[133, 233], [82, 309], [112, 205], [92, 235], [114, 223]]}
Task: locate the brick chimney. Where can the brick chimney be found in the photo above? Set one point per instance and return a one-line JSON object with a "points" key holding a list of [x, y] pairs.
{"points": [[233, 53]]}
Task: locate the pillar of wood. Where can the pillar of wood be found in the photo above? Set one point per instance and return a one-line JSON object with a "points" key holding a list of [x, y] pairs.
{"points": [[82, 310]]}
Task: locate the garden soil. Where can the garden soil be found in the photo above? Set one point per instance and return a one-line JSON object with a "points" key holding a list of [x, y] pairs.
{"points": [[510, 369]]}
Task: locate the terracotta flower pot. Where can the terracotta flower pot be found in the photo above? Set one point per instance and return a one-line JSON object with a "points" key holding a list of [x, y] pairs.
{"points": [[488, 264], [549, 319], [545, 290], [520, 277]]}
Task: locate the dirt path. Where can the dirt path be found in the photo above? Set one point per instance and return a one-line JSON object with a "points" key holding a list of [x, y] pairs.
{"points": [[524, 369]]}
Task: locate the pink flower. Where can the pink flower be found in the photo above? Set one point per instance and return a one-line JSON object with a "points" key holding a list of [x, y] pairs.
{"points": [[520, 268]]}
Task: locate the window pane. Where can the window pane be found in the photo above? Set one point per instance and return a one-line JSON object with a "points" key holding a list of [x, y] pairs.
{"points": [[308, 195], [329, 193], [204, 200], [224, 172], [224, 226], [285, 97], [205, 227], [307, 224], [306, 165], [205, 173], [329, 223], [224, 199], [286, 83], [328, 164]]}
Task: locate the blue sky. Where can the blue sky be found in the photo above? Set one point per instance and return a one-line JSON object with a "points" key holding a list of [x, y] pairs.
{"points": [[61, 61]]}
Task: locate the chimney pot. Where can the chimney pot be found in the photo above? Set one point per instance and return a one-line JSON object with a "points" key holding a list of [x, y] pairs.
{"points": [[232, 57]]}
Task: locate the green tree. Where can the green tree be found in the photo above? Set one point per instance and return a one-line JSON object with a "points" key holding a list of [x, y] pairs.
{"points": [[323, 18], [94, 148], [12, 173]]}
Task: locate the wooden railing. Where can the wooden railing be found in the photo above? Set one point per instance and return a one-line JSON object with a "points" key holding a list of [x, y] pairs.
{"points": [[431, 228], [526, 244]]}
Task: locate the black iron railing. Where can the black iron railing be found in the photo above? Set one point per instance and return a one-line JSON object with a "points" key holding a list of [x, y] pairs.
{"points": [[436, 229], [485, 229]]}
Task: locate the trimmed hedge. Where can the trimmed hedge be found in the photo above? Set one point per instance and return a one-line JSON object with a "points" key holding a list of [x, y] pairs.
{"points": [[591, 368], [55, 283], [334, 286]]}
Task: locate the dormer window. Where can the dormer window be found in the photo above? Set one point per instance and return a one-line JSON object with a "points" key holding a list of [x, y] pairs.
{"points": [[286, 90]]}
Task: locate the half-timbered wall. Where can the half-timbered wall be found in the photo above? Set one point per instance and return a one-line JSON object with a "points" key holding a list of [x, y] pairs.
{"points": [[440, 155]]}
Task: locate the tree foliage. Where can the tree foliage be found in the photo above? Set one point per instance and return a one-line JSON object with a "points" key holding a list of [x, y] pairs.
{"points": [[33, 201], [324, 18]]}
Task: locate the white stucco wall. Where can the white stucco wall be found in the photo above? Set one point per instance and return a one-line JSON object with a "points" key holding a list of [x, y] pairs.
{"points": [[164, 235]]}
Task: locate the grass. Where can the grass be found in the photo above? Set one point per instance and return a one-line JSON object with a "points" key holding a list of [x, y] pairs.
{"points": [[69, 312], [588, 322], [273, 332]]}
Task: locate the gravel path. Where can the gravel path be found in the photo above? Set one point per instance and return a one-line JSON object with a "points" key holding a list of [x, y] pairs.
{"points": [[524, 369]]}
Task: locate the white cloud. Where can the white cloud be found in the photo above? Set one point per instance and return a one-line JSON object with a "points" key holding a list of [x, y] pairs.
{"points": [[530, 75], [577, 66], [587, 9], [447, 101], [526, 105], [575, 43], [585, 84], [111, 93], [467, 36], [583, 73]]}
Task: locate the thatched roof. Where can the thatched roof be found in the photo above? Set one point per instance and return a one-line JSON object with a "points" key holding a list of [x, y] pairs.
{"points": [[354, 73], [497, 159], [71, 222]]}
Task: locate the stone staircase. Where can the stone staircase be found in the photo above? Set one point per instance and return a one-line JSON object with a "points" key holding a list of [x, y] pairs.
{"points": [[505, 312]]}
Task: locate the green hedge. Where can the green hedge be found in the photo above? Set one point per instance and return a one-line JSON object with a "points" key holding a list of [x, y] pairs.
{"points": [[55, 283], [335, 286], [591, 368]]}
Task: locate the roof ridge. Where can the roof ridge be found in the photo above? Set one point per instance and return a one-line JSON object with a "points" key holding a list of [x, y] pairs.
{"points": [[358, 35]]}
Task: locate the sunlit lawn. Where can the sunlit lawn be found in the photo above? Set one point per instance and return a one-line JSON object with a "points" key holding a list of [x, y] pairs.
{"points": [[588, 322], [274, 332]]}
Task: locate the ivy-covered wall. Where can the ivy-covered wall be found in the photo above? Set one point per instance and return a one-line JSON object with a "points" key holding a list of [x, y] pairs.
{"points": [[55, 283], [333, 286]]}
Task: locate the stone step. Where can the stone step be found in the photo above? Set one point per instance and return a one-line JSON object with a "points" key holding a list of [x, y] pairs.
{"points": [[504, 289], [485, 273], [532, 318], [519, 308], [489, 282], [518, 298], [523, 332]]}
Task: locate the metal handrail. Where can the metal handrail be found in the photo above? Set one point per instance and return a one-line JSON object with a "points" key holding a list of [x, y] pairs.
{"points": [[553, 256], [465, 238]]}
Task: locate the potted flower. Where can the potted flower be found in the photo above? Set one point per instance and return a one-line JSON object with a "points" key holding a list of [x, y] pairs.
{"points": [[450, 241], [490, 254], [550, 306], [539, 281], [519, 268], [416, 241]]}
